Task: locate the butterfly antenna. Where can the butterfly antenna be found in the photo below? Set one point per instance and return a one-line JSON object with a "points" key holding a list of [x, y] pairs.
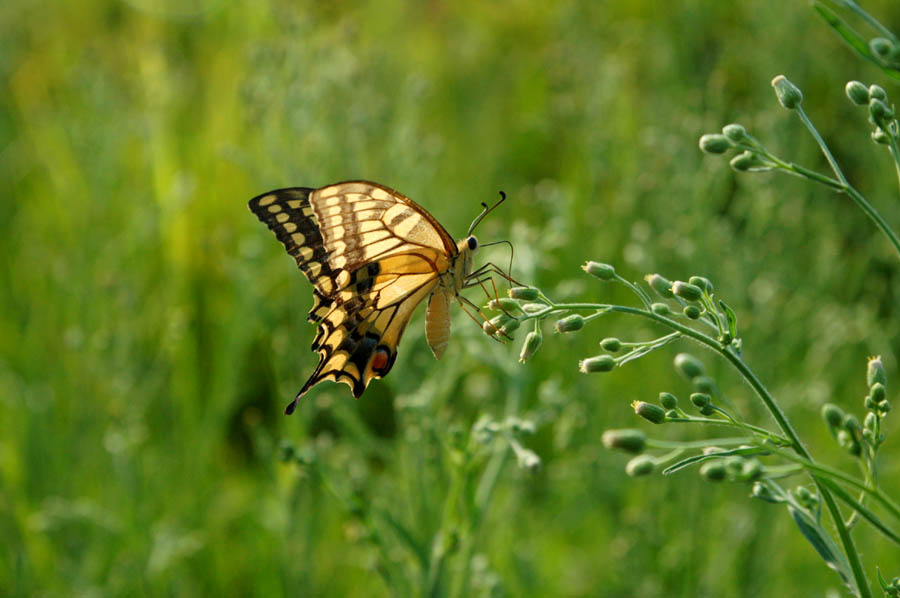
{"points": [[511, 253], [485, 210]]}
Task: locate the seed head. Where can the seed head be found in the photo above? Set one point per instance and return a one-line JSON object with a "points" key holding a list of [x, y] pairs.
{"points": [[652, 413], [524, 293], [570, 323], [875, 372], [532, 343], [600, 363], [687, 291], [598, 270]]}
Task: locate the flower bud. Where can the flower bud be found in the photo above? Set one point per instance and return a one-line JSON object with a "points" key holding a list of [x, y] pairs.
{"points": [[532, 343], [833, 415], [659, 284], [851, 424], [704, 384], [847, 441], [688, 366], [660, 309], [691, 311], [877, 92], [533, 308], [879, 111], [875, 372], [701, 399], [735, 133], [880, 137], [713, 143], [877, 393], [713, 471], [870, 421], [744, 161], [652, 413], [511, 325], [870, 404], [640, 466], [752, 470], [881, 47], [529, 460], [788, 94], [672, 414], [805, 497], [611, 344], [668, 400], [600, 363], [570, 323], [524, 293], [707, 410], [762, 492], [687, 291], [857, 93], [884, 408], [598, 270], [504, 304], [630, 441], [703, 283]]}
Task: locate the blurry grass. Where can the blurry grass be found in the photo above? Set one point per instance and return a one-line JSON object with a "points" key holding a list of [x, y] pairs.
{"points": [[151, 331]]}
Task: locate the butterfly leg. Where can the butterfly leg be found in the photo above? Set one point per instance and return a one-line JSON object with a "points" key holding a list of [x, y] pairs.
{"points": [[463, 302]]}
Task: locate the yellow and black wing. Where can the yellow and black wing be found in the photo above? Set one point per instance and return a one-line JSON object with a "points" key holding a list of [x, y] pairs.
{"points": [[372, 255]]}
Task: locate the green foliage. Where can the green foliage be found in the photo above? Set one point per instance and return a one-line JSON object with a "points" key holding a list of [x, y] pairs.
{"points": [[151, 332]]}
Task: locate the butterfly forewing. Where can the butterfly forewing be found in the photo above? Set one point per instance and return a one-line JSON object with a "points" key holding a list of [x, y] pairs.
{"points": [[372, 255]]}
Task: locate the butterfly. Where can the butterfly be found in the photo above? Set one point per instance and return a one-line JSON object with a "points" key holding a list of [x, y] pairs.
{"points": [[372, 255]]}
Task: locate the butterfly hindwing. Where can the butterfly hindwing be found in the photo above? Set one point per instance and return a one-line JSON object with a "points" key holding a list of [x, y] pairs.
{"points": [[372, 256]]}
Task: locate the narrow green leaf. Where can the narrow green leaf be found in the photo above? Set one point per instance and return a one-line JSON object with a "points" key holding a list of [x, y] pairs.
{"points": [[860, 508], [823, 544], [859, 44], [881, 580], [717, 455], [732, 318]]}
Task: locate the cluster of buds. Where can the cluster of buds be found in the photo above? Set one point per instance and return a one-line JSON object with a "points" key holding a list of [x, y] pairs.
{"points": [[844, 427], [880, 114], [734, 467]]}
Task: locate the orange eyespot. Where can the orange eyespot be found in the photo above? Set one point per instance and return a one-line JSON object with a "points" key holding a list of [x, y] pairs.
{"points": [[380, 360]]}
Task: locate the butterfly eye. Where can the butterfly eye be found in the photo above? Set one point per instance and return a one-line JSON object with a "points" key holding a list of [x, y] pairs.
{"points": [[473, 243]]}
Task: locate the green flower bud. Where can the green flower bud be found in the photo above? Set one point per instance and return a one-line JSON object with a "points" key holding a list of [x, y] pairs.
{"points": [[707, 410], [833, 415], [700, 399], [851, 424], [611, 344], [752, 470], [533, 308], [600, 363], [805, 497], [691, 311], [875, 372], [524, 293], [713, 471], [884, 407], [630, 441], [659, 284], [881, 47], [640, 466], [877, 393], [870, 421], [652, 413], [847, 441], [687, 291], [668, 400], [857, 93], [701, 282], [870, 404], [532, 343], [705, 384], [672, 414], [504, 304], [713, 143], [880, 137], [688, 366], [492, 327], [877, 92], [529, 460], [570, 323], [660, 309], [598, 270], [788, 94], [734, 132], [510, 326], [879, 112], [744, 161], [762, 492]]}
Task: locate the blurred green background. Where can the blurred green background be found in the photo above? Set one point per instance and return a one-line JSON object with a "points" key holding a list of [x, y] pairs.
{"points": [[152, 331]]}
